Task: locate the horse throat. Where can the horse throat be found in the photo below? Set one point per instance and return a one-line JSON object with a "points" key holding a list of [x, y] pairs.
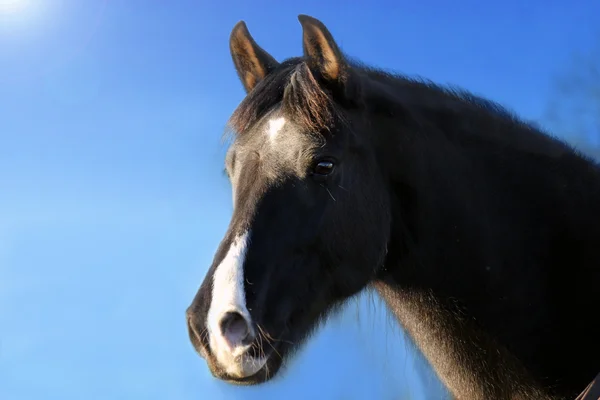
{"points": [[467, 361]]}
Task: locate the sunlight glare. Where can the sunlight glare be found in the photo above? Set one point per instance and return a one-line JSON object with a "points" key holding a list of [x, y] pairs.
{"points": [[13, 6], [20, 16]]}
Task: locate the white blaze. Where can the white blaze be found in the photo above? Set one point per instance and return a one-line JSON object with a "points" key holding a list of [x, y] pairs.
{"points": [[228, 295], [275, 126]]}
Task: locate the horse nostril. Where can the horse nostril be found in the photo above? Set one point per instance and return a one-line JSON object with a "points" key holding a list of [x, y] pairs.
{"points": [[235, 329]]}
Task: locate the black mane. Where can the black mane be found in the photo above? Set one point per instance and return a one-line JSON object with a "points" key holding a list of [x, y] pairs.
{"points": [[456, 109], [393, 94]]}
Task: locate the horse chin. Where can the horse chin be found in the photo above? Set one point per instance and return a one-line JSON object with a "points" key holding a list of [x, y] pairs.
{"points": [[252, 367], [255, 370]]}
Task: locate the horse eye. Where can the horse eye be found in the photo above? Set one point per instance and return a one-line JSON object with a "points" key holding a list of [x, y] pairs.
{"points": [[323, 168]]}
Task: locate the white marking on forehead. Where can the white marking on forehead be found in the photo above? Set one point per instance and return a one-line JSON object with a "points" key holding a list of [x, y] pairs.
{"points": [[228, 295], [275, 126], [233, 182]]}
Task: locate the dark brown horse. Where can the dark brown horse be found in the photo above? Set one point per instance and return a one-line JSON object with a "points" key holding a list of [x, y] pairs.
{"points": [[480, 231]]}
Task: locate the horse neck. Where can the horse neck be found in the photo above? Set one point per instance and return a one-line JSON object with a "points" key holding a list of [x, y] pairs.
{"points": [[441, 275], [458, 355]]}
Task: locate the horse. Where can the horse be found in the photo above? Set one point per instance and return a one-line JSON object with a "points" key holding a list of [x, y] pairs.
{"points": [[479, 230]]}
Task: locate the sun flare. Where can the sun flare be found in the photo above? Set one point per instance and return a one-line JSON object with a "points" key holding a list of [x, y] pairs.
{"points": [[8, 7]]}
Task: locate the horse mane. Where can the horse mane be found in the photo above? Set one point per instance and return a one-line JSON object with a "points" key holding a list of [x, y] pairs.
{"points": [[456, 110]]}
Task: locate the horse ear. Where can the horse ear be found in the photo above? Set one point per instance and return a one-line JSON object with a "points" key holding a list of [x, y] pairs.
{"points": [[252, 63], [320, 49]]}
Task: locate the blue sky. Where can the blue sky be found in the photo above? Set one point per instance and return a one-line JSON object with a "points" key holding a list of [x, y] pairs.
{"points": [[112, 198]]}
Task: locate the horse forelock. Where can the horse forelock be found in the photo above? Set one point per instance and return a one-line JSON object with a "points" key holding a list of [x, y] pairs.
{"points": [[294, 89]]}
